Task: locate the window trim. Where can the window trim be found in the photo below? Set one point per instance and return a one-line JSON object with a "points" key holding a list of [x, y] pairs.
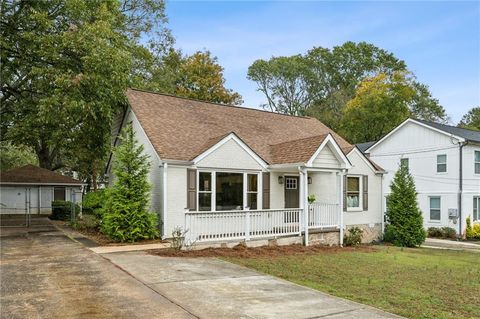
{"points": [[475, 162], [477, 200], [360, 195], [213, 175], [430, 209], [446, 163], [251, 192], [211, 192], [408, 162]]}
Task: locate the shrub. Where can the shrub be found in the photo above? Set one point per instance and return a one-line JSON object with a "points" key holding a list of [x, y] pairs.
{"points": [[404, 218], [354, 237], [449, 232], [93, 202], [469, 230], [444, 232], [434, 232], [311, 198], [476, 231], [178, 238], [125, 215], [62, 210]]}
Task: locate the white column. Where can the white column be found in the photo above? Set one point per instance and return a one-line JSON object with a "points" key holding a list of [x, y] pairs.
{"points": [[340, 177], [165, 176], [304, 201]]}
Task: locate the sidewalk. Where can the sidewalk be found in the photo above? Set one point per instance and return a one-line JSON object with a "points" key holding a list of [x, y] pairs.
{"points": [[451, 244]]}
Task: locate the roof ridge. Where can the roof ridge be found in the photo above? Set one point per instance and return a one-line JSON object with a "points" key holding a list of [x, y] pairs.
{"points": [[220, 104], [447, 125]]}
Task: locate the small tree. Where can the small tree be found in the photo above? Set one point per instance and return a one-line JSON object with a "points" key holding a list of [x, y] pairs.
{"points": [[404, 218], [126, 217]]}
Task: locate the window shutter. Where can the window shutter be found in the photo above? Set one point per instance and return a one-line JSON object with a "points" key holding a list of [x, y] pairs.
{"points": [[365, 192], [192, 189], [344, 193], [266, 190]]}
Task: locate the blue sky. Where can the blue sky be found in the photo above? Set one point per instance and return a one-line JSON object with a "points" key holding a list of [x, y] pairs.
{"points": [[439, 41]]}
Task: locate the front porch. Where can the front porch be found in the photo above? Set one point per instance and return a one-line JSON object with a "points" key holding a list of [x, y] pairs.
{"points": [[287, 188]]}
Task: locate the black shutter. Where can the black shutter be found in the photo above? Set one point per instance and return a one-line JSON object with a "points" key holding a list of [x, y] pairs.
{"points": [[344, 193], [266, 190], [192, 189], [365, 192]]}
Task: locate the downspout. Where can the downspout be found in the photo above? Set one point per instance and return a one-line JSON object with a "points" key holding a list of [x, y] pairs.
{"points": [[460, 187], [383, 204]]}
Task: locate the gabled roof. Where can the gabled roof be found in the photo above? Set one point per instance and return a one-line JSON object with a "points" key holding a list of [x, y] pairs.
{"points": [[469, 135], [181, 129], [31, 174], [362, 147], [296, 151]]}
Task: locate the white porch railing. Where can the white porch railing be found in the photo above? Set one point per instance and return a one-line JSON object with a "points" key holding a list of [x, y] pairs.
{"points": [[323, 215], [242, 224]]}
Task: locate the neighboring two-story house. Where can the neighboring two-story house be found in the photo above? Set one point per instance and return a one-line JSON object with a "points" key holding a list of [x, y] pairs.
{"points": [[445, 163]]}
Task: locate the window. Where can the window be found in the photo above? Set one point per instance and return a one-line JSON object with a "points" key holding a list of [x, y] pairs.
{"points": [[442, 163], [252, 190], [59, 193], [477, 162], [229, 191], [404, 162], [476, 208], [204, 191], [353, 192], [290, 183], [434, 208]]}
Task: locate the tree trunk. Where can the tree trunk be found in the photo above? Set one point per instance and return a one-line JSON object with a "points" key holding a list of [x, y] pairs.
{"points": [[44, 159]]}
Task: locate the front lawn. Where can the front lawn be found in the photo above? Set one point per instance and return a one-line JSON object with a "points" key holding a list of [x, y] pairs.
{"points": [[415, 283]]}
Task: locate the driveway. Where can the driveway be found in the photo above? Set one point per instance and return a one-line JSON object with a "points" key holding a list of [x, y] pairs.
{"points": [[45, 274], [211, 288]]}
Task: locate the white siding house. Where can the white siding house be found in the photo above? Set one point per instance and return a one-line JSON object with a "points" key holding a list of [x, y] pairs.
{"points": [[444, 163], [228, 173]]}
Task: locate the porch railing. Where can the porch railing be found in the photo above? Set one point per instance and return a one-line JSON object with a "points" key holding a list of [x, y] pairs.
{"points": [[242, 224], [324, 215]]}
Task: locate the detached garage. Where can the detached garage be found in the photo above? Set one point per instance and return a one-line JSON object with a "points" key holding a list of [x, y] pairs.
{"points": [[30, 190]]}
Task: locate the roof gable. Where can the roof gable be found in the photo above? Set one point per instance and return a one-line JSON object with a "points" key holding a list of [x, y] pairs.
{"points": [[31, 174], [181, 129], [230, 150]]}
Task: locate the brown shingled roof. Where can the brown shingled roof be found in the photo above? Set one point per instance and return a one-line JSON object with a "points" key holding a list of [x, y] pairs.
{"points": [[31, 174], [181, 129]]}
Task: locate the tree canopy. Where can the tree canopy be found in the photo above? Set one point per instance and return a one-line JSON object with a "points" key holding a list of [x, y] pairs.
{"points": [[471, 120], [321, 82], [66, 64]]}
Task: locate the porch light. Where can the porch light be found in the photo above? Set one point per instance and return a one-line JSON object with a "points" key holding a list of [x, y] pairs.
{"points": [[309, 180], [280, 179]]}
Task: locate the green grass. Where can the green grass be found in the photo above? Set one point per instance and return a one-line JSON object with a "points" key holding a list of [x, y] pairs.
{"points": [[415, 283]]}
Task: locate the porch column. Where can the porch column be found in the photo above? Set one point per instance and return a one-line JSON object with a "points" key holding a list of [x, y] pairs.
{"points": [[304, 201], [340, 204], [164, 198]]}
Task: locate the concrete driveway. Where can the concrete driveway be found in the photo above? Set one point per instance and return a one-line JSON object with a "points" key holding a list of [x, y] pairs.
{"points": [[45, 274], [211, 288]]}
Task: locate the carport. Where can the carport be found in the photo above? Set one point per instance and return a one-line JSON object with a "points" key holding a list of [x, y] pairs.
{"points": [[29, 191]]}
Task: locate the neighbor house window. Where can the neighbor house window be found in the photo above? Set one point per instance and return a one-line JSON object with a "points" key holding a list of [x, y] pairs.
{"points": [[435, 208], [476, 208], [205, 191], [477, 162], [442, 163], [404, 162], [252, 191], [353, 192], [229, 191]]}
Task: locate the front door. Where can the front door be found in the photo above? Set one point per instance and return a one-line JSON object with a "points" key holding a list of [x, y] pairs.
{"points": [[292, 194]]}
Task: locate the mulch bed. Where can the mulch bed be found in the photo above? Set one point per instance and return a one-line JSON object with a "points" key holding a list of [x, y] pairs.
{"points": [[242, 251], [100, 238]]}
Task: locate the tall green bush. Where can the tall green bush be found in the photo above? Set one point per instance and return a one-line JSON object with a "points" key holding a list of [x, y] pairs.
{"points": [[404, 218], [62, 210], [125, 216], [93, 202]]}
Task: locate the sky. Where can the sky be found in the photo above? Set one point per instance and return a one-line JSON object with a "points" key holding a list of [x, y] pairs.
{"points": [[439, 41]]}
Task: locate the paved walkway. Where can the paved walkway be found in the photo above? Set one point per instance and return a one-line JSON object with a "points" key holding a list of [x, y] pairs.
{"points": [[451, 244], [211, 288], [45, 274]]}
